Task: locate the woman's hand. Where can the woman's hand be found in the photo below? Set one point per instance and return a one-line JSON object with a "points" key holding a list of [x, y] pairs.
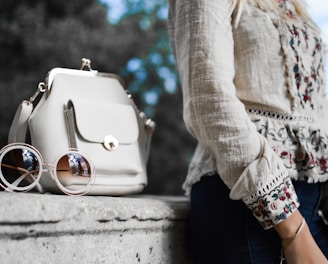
{"points": [[302, 249]]}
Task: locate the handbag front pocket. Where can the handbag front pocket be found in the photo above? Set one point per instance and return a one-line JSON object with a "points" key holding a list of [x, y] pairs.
{"points": [[108, 133]]}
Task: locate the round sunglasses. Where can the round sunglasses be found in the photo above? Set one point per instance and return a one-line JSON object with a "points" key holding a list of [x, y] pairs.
{"points": [[22, 166]]}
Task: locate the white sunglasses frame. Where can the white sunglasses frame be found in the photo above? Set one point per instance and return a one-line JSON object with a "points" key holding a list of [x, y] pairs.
{"points": [[51, 168]]}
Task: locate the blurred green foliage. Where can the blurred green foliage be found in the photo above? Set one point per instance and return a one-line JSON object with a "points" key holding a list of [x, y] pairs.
{"points": [[38, 35]]}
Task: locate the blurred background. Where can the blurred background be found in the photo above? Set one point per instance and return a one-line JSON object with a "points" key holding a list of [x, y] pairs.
{"points": [[127, 37]]}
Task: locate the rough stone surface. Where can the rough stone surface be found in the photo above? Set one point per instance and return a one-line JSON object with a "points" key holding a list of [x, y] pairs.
{"points": [[47, 228]]}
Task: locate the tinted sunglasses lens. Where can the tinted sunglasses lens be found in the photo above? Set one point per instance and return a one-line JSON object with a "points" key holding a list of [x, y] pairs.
{"points": [[74, 173], [20, 169]]}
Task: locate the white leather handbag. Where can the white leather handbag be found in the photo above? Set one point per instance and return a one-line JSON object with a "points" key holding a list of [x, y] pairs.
{"points": [[91, 112]]}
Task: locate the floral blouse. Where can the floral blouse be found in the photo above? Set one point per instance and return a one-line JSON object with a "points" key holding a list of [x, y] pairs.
{"points": [[254, 98], [302, 150]]}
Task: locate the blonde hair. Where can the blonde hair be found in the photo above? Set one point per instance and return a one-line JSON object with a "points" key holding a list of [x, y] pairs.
{"points": [[300, 7]]}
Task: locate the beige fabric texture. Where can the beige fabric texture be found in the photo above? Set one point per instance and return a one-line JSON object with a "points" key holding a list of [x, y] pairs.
{"points": [[225, 70]]}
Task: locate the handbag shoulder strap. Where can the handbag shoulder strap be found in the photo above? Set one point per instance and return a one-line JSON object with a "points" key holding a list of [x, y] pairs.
{"points": [[19, 125], [18, 128]]}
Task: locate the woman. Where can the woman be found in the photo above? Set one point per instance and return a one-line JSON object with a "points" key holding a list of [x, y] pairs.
{"points": [[252, 74]]}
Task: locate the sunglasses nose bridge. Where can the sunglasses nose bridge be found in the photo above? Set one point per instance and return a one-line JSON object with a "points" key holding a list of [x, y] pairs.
{"points": [[46, 167]]}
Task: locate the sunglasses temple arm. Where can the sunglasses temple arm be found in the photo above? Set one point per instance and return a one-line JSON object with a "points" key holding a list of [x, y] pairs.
{"points": [[17, 181], [39, 188], [14, 167]]}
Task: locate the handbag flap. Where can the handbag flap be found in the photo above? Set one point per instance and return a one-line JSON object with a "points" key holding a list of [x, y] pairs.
{"points": [[96, 120]]}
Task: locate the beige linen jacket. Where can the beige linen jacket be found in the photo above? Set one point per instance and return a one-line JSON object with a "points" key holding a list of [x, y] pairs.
{"points": [[233, 74]]}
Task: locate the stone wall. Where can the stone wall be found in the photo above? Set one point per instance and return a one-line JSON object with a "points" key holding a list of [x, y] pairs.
{"points": [[46, 228]]}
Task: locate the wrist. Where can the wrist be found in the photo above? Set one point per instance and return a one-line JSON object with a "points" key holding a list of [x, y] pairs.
{"points": [[285, 242], [289, 226]]}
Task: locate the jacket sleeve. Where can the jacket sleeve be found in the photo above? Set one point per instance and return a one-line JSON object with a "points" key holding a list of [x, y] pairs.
{"points": [[203, 45]]}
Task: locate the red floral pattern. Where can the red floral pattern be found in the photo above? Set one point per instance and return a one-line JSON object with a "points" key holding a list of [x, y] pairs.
{"points": [[287, 6], [276, 206], [303, 39], [303, 149]]}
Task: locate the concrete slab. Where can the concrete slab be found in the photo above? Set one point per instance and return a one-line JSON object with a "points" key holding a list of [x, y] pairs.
{"points": [[47, 228]]}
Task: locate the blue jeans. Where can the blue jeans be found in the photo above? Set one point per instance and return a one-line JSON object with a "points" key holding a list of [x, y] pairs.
{"points": [[225, 231]]}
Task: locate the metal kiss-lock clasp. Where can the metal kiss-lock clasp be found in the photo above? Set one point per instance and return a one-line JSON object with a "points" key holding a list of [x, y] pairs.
{"points": [[86, 63], [110, 142]]}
